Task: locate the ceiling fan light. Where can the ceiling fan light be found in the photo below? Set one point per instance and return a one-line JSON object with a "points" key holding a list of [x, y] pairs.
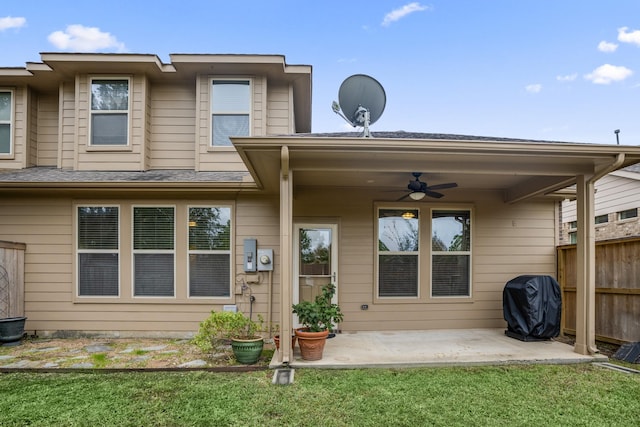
{"points": [[417, 195]]}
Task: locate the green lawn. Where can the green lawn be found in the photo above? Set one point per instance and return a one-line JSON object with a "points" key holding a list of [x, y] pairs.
{"points": [[516, 395]]}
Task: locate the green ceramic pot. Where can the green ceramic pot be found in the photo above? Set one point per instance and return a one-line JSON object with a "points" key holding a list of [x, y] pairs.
{"points": [[247, 351]]}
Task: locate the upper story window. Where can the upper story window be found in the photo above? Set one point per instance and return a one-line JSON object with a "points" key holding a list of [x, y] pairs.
{"points": [[109, 112], [230, 110], [6, 122]]}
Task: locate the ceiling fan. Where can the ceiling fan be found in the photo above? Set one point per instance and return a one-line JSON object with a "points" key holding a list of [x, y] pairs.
{"points": [[418, 189]]}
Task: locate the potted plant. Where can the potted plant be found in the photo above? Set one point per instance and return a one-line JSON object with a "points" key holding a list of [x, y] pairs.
{"points": [[11, 330], [223, 327], [276, 337], [318, 318]]}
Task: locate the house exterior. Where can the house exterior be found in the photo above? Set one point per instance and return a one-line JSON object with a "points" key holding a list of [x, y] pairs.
{"points": [[616, 208], [149, 193]]}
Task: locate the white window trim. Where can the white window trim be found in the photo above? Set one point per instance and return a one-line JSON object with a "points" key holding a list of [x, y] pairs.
{"points": [[633, 218], [377, 296], [210, 145], [230, 252], [12, 124], [108, 251], [127, 146], [135, 251], [469, 252]]}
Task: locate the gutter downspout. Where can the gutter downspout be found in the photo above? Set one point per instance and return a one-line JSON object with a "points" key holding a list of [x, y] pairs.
{"points": [[590, 285]]}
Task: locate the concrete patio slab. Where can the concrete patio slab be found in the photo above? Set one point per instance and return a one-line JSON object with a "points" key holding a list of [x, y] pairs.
{"points": [[436, 348]]}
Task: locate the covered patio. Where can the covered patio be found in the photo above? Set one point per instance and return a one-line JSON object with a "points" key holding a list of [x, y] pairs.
{"points": [[452, 347]]}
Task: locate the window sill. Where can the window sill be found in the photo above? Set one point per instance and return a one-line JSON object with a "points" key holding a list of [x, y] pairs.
{"points": [[224, 149], [427, 300], [7, 157], [152, 300], [109, 148]]}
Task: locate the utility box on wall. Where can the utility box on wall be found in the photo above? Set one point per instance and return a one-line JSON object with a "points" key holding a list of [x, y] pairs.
{"points": [[250, 255], [265, 259]]}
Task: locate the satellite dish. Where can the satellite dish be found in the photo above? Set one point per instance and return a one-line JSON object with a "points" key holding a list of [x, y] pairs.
{"points": [[362, 100]]}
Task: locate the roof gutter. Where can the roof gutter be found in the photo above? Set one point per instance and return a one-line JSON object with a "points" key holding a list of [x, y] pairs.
{"points": [[607, 169]]}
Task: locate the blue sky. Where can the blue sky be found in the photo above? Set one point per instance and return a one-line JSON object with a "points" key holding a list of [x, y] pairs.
{"points": [[561, 70]]}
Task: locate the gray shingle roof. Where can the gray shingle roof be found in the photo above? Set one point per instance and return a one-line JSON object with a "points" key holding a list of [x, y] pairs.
{"points": [[53, 175], [418, 135]]}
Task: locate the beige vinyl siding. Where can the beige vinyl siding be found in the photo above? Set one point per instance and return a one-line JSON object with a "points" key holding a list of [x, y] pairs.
{"points": [[32, 126], [98, 158], [46, 226], [258, 217], [47, 130], [173, 131], [67, 126], [279, 111], [495, 228], [613, 194]]}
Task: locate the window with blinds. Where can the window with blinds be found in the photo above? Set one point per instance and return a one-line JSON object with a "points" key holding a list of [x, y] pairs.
{"points": [[154, 251], [109, 112], [98, 251], [210, 252], [450, 253], [398, 252], [230, 110]]}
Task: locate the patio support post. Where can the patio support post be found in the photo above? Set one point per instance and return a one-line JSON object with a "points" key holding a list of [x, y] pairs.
{"points": [[585, 286], [286, 246]]}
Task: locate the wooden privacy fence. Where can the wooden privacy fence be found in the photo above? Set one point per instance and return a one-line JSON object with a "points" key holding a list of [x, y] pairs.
{"points": [[11, 279], [617, 302]]}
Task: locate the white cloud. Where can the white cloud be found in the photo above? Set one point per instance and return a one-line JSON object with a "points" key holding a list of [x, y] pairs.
{"points": [[84, 39], [629, 37], [567, 78], [534, 88], [607, 47], [401, 12], [11, 22], [607, 73]]}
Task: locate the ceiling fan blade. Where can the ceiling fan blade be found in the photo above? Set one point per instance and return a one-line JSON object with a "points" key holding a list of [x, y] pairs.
{"points": [[433, 194], [442, 186], [403, 197]]}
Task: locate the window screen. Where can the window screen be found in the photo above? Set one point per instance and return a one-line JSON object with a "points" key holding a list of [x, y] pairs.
{"points": [[98, 251], [398, 252], [109, 112], [209, 252], [5, 122], [450, 253], [154, 251], [230, 108]]}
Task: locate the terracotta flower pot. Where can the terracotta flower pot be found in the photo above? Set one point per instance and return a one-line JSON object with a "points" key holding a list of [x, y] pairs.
{"points": [[311, 344], [276, 340]]}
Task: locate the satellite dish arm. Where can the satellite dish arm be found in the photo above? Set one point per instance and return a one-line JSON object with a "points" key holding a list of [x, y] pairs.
{"points": [[336, 109]]}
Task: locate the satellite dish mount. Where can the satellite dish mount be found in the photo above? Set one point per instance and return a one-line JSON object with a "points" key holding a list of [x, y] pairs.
{"points": [[362, 101]]}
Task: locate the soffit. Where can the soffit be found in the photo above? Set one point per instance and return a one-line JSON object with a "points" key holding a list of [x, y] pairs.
{"points": [[517, 169]]}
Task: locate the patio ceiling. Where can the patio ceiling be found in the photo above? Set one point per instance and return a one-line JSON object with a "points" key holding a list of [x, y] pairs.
{"points": [[519, 170]]}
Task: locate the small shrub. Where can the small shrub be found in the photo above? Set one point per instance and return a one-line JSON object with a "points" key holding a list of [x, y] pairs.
{"points": [[221, 326]]}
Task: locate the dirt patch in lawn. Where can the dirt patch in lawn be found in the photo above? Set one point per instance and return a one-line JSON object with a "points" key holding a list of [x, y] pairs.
{"points": [[115, 353]]}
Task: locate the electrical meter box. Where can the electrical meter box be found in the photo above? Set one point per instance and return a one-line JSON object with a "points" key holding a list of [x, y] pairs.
{"points": [[265, 259]]}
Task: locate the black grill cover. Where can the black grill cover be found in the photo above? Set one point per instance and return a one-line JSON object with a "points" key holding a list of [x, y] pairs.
{"points": [[532, 307]]}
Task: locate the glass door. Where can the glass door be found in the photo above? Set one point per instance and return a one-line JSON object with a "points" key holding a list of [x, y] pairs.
{"points": [[316, 262]]}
